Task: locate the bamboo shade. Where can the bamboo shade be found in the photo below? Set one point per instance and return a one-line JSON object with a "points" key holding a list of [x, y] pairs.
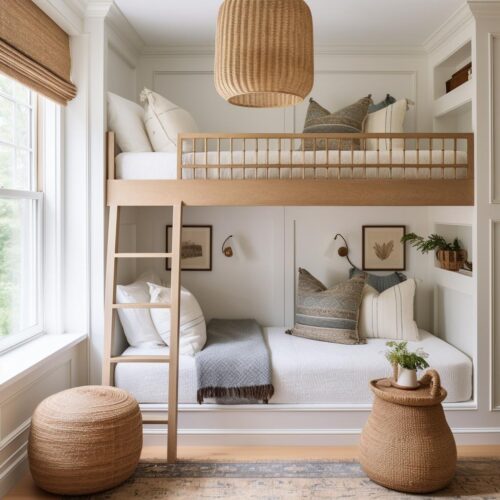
{"points": [[35, 50], [264, 52]]}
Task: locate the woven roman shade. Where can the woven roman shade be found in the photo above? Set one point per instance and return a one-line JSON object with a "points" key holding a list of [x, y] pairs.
{"points": [[35, 50], [264, 52]]}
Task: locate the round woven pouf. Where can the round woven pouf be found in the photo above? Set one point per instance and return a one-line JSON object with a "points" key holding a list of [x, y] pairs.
{"points": [[85, 440], [406, 444]]}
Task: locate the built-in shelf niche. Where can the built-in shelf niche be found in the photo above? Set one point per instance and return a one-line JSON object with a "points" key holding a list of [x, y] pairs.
{"points": [[464, 234], [444, 70]]}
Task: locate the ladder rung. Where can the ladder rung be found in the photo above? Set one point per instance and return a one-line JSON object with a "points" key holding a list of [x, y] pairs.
{"points": [[156, 255], [138, 305], [154, 421], [152, 358]]}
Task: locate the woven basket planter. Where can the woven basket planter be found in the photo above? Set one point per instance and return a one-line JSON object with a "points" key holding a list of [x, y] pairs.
{"points": [[406, 444], [452, 260], [85, 440]]}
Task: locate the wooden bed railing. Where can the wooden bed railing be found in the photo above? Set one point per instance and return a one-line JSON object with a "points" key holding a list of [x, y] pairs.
{"points": [[439, 155]]}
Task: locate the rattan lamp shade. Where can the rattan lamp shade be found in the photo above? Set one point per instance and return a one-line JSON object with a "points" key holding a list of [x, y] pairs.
{"points": [[264, 52]]}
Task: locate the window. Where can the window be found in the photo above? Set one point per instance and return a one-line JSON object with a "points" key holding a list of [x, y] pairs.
{"points": [[21, 206]]}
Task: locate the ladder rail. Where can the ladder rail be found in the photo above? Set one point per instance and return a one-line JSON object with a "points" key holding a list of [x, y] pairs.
{"points": [[110, 293], [175, 298]]}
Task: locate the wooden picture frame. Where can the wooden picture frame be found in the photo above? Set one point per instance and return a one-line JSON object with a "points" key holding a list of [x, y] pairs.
{"points": [[196, 247], [382, 248]]}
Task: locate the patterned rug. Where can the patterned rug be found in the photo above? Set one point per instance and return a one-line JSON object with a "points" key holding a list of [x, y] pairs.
{"points": [[276, 480]]}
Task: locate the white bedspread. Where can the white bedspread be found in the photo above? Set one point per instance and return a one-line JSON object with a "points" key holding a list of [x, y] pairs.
{"points": [[131, 166], [306, 371]]}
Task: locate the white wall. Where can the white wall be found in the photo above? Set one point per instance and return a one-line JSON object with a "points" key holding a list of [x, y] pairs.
{"points": [[269, 244]]}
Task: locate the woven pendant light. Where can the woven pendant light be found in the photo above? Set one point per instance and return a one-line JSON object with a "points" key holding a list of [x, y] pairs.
{"points": [[264, 52]]}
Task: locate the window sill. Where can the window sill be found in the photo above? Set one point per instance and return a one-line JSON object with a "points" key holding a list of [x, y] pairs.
{"points": [[19, 362]]}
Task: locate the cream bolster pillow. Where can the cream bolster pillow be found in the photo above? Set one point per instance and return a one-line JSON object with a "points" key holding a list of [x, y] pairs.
{"points": [[193, 330], [126, 120], [164, 120], [137, 323], [388, 120], [390, 314]]}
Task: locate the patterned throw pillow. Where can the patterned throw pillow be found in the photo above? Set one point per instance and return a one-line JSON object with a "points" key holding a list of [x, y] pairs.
{"points": [[380, 283], [382, 104], [328, 314], [347, 120]]}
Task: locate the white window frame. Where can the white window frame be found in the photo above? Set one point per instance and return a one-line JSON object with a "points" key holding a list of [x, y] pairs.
{"points": [[46, 192]]}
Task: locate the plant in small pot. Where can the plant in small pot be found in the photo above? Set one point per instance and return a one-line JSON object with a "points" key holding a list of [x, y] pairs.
{"points": [[451, 256], [405, 363]]}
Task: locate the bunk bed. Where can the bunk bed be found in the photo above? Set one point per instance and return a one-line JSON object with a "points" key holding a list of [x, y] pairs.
{"points": [[408, 169]]}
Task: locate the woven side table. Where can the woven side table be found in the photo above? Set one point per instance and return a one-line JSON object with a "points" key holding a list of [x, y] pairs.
{"points": [[406, 444], [85, 440]]}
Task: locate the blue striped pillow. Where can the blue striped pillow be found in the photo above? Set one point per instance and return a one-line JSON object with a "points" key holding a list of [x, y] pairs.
{"points": [[328, 314]]}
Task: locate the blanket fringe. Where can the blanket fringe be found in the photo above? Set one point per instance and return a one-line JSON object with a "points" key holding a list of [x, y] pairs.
{"points": [[258, 392]]}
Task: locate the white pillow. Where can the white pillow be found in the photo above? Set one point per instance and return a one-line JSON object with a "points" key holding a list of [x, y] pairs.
{"points": [[386, 120], [388, 315], [193, 330], [137, 323], [126, 120], [164, 120]]}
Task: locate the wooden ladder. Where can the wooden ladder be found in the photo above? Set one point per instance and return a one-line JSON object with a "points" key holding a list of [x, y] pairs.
{"points": [[111, 307]]}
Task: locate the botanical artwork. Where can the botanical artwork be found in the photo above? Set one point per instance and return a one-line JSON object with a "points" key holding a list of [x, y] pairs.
{"points": [[382, 248], [196, 248]]}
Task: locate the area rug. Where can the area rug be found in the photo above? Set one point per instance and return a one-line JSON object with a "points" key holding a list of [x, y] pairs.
{"points": [[276, 480]]}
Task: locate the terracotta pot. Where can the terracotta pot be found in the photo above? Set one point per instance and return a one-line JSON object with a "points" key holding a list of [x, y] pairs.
{"points": [[452, 260]]}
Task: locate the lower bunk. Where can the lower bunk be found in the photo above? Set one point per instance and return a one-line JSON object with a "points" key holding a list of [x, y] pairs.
{"points": [[304, 371]]}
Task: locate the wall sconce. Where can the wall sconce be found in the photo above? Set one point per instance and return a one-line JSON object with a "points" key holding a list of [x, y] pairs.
{"points": [[227, 250], [344, 251]]}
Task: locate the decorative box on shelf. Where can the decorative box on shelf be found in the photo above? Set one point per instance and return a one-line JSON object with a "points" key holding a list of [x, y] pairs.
{"points": [[460, 77]]}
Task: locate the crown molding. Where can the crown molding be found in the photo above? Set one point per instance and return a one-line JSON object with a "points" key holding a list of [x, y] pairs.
{"points": [[97, 8], [208, 50], [457, 21], [485, 8], [67, 14], [124, 31]]}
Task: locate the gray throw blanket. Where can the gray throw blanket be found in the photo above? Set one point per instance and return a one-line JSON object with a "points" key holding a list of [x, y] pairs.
{"points": [[235, 362]]}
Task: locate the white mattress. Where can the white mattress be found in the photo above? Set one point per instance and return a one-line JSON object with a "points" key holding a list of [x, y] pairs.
{"points": [[305, 371], [164, 165]]}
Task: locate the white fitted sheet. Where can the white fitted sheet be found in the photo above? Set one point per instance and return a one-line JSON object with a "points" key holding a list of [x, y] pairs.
{"points": [[305, 371], [131, 166]]}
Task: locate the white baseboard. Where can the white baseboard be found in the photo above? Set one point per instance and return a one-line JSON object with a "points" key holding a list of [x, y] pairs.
{"points": [[156, 436]]}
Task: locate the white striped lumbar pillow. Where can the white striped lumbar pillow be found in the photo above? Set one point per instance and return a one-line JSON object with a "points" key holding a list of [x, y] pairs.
{"points": [[390, 314]]}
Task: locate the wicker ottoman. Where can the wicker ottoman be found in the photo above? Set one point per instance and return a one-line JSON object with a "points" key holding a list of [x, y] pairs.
{"points": [[85, 440], [406, 444]]}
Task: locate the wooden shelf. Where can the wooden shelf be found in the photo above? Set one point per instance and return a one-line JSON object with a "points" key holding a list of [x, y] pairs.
{"points": [[453, 100]]}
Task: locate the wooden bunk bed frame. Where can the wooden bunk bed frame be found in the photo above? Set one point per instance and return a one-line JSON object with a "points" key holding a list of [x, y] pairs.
{"points": [[310, 189]]}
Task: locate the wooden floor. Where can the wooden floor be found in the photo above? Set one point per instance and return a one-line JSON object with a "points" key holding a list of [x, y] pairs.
{"points": [[27, 490]]}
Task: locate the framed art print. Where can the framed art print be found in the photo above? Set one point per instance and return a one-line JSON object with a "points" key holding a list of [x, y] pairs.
{"points": [[382, 248], [196, 248]]}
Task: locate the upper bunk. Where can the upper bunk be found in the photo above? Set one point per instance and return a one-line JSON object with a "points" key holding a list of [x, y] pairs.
{"points": [[215, 169]]}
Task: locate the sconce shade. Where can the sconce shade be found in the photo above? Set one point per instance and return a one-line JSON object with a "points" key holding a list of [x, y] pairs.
{"points": [[264, 52]]}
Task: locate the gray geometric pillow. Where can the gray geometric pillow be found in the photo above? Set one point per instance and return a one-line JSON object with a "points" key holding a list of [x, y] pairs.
{"points": [[382, 104], [328, 314], [346, 120], [380, 283]]}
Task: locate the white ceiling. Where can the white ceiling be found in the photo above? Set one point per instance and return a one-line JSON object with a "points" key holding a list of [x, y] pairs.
{"points": [[336, 22]]}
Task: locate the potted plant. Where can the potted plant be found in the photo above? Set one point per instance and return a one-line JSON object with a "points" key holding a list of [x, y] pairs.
{"points": [[451, 256], [405, 363]]}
